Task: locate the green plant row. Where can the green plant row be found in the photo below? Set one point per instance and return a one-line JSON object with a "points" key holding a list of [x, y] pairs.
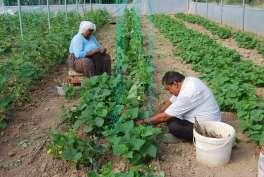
{"points": [[213, 27], [249, 41], [254, 74], [97, 107], [243, 39], [39, 53], [224, 71], [136, 66], [138, 171], [109, 105], [74, 149]]}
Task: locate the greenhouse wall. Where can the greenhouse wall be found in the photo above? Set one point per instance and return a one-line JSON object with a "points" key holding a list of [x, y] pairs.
{"points": [[232, 15], [111, 8], [228, 14], [165, 6], [147, 7]]}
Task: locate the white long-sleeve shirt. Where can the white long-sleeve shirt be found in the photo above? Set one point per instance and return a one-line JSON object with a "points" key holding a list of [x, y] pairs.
{"points": [[195, 99]]}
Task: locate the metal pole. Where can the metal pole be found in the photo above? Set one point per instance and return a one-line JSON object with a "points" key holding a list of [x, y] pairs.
{"points": [[188, 6], [222, 7], [20, 19], [3, 5], [206, 8], [65, 9], [82, 5], [243, 15], [48, 13], [195, 6], [91, 5], [77, 5]]}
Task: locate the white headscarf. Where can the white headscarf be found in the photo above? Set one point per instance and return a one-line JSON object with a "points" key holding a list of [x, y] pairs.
{"points": [[86, 25]]}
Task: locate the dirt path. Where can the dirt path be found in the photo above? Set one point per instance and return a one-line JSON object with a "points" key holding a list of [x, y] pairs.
{"points": [[247, 54], [22, 144], [164, 59], [178, 160]]}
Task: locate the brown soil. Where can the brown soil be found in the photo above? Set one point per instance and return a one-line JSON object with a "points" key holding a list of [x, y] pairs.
{"points": [[260, 92], [178, 160], [247, 54], [164, 60], [23, 142]]}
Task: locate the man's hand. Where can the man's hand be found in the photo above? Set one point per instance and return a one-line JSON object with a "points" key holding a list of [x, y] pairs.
{"points": [[154, 120], [144, 121], [140, 122]]}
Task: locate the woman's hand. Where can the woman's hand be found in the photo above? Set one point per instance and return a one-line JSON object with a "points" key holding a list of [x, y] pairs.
{"points": [[102, 50], [94, 52]]}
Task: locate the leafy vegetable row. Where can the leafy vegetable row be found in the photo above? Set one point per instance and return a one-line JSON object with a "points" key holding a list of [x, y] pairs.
{"points": [[138, 171], [244, 39], [39, 53], [130, 53], [213, 27], [109, 106], [228, 76]]}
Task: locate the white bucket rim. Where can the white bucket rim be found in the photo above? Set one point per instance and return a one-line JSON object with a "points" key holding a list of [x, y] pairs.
{"points": [[215, 122], [214, 141]]}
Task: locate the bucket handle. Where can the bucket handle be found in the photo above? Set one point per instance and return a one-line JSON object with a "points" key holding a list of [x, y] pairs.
{"points": [[228, 140]]}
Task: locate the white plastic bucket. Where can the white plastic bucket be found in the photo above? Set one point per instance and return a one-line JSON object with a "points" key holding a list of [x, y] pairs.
{"points": [[214, 151]]}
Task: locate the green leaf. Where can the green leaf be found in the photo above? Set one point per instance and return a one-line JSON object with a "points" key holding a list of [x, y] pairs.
{"points": [[133, 91], [88, 129], [129, 155], [102, 113], [71, 154], [126, 127], [133, 113], [99, 122], [137, 143], [120, 149], [149, 131], [151, 150]]}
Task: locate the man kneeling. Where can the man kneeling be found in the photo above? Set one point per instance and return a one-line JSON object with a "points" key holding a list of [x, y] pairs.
{"points": [[191, 99]]}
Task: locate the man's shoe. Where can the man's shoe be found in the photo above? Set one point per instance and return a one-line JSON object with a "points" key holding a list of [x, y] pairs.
{"points": [[170, 139]]}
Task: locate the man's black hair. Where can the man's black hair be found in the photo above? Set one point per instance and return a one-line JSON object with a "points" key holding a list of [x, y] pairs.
{"points": [[171, 77]]}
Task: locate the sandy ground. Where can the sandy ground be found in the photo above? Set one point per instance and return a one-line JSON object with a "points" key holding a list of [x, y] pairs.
{"points": [[178, 160], [23, 143]]}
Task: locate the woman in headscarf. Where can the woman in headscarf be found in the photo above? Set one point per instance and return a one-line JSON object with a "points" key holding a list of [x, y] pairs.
{"points": [[86, 54]]}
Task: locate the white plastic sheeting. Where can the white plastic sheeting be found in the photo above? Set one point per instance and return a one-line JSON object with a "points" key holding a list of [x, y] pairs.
{"points": [[232, 15], [164, 6], [112, 8], [147, 6]]}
